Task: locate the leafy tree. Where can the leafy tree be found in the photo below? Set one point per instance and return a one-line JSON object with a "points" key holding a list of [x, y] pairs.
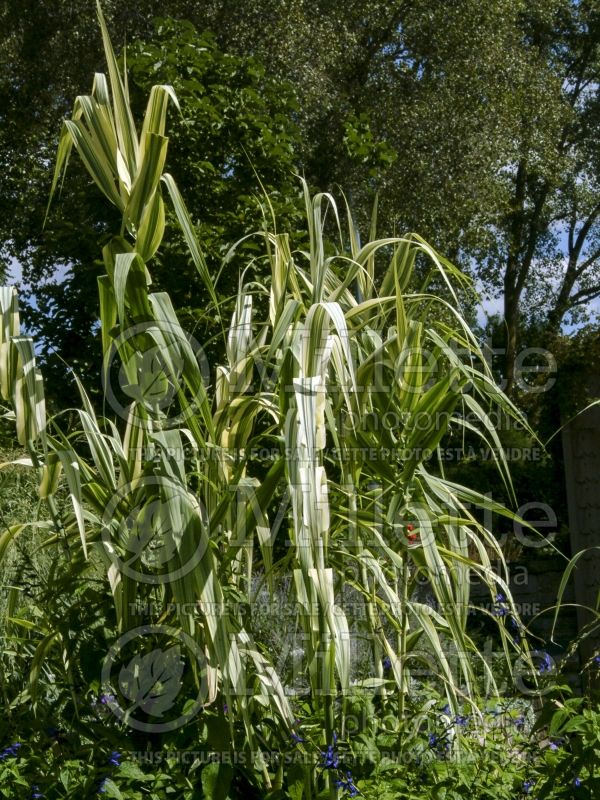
{"points": [[557, 178], [233, 140], [488, 116], [477, 125], [49, 49]]}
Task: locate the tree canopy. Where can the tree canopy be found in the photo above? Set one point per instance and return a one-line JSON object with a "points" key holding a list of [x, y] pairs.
{"points": [[477, 126]]}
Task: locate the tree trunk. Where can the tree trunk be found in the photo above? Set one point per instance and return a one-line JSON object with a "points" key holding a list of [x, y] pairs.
{"points": [[511, 278], [511, 322]]}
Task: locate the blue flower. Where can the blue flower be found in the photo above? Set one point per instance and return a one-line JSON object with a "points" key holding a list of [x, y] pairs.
{"points": [[439, 744], [101, 786], [545, 664], [386, 663], [520, 722], [577, 782], [347, 785], [35, 792], [528, 786], [499, 609], [461, 719], [296, 738], [597, 661], [557, 744], [10, 751], [115, 759], [329, 757]]}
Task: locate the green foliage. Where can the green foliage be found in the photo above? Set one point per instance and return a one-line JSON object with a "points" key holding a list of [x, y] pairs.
{"points": [[203, 484], [478, 126], [365, 148], [234, 142], [569, 768], [335, 365], [500, 751]]}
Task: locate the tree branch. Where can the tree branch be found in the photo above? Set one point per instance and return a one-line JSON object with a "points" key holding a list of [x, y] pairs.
{"points": [[584, 295]]}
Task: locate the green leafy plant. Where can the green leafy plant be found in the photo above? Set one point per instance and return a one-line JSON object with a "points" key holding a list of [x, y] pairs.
{"points": [[309, 455]]}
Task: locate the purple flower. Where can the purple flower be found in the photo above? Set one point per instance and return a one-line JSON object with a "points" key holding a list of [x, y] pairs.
{"points": [[296, 738], [35, 792], [520, 722], [386, 663], [433, 740], [500, 598], [106, 699], [115, 759], [101, 786], [577, 782], [528, 786], [461, 720]]}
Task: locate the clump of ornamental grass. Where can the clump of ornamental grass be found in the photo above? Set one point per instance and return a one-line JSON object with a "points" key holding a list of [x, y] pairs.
{"points": [[344, 373]]}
